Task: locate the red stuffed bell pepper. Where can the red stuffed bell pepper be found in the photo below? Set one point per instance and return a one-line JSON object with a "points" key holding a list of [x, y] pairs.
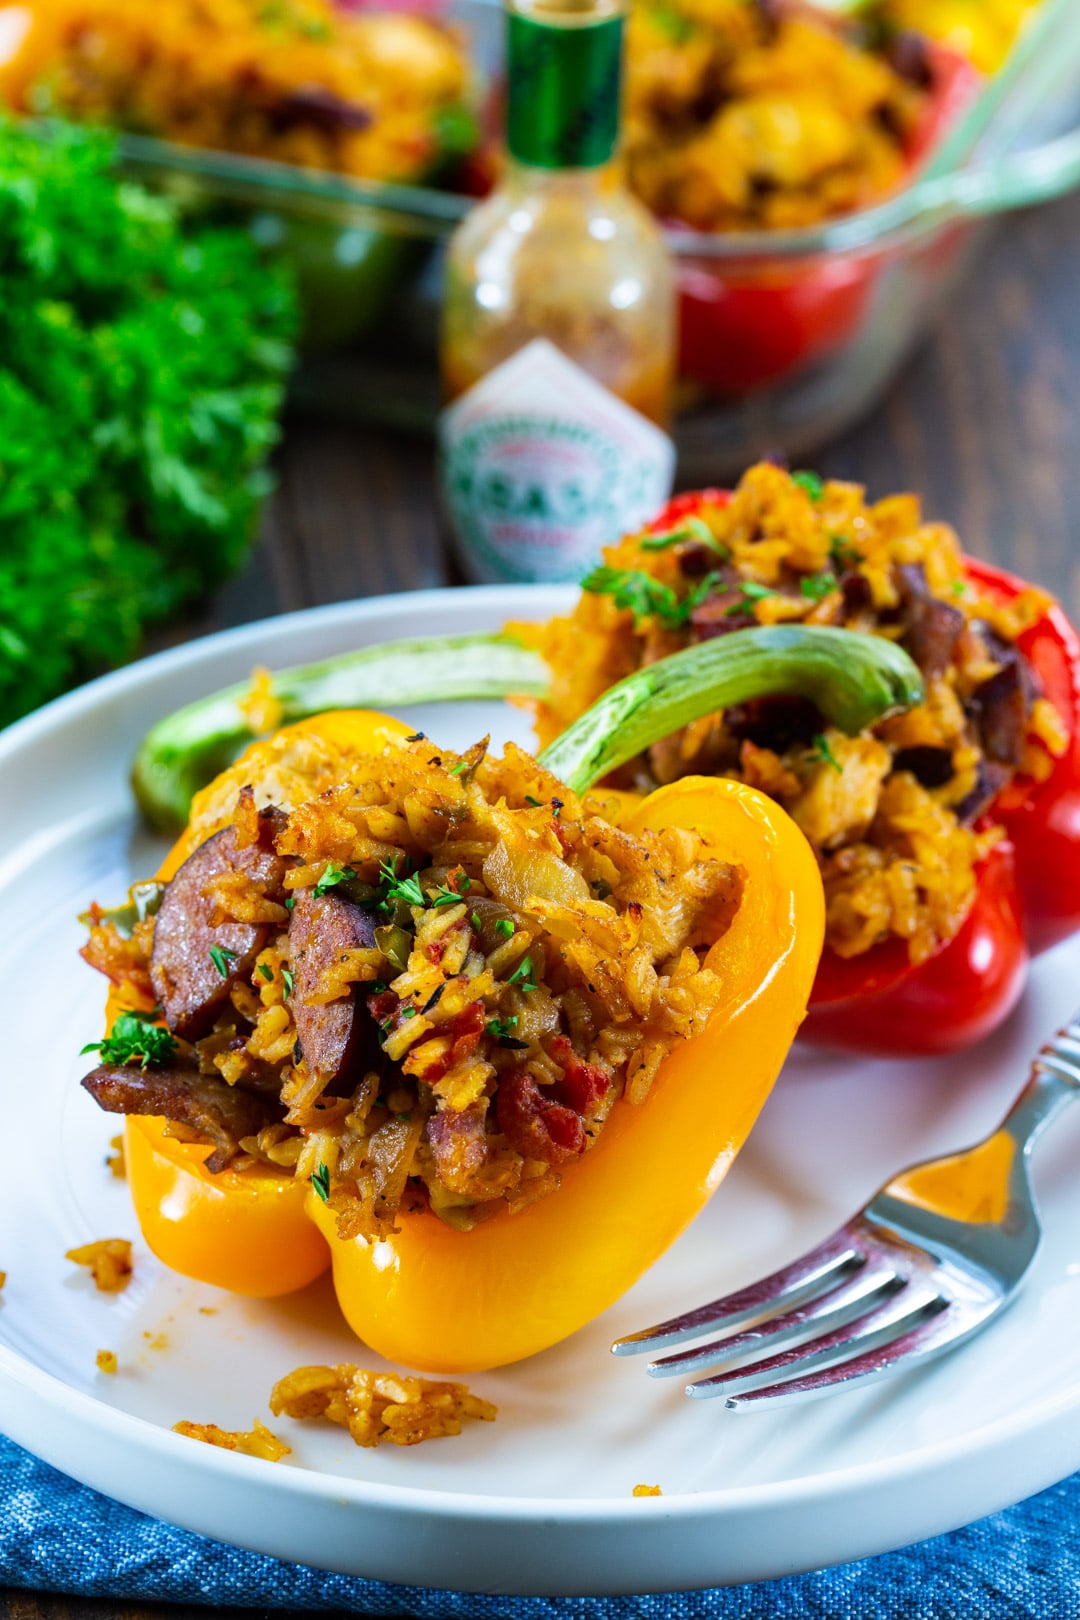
{"points": [[743, 326], [1028, 895], [1009, 805]]}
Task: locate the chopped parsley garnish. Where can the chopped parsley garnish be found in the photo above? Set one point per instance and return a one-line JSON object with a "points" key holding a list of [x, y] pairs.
{"points": [[504, 928], [288, 981], [320, 1180], [958, 587], [290, 902], [475, 920], [537, 804], [135, 1038], [377, 987], [407, 889], [823, 750], [815, 587], [751, 592], [843, 553], [500, 1029], [333, 874], [444, 895], [462, 765], [522, 975], [643, 596], [221, 957], [267, 972], [811, 482], [636, 592], [690, 529], [408, 1011]]}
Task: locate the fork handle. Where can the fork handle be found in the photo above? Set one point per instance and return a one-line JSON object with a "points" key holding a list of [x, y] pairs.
{"points": [[1053, 1083]]}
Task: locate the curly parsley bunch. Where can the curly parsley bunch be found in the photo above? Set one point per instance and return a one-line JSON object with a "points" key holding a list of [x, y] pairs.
{"points": [[142, 367]]}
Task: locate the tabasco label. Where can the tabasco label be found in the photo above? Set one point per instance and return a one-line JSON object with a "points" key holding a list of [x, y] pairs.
{"points": [[541, 466]]}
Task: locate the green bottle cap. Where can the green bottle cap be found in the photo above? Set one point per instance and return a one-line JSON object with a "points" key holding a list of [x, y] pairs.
{"points": [[564, 84]]}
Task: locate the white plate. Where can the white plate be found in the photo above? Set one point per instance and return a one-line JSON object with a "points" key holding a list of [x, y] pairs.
{"points": [[539, 1502]]}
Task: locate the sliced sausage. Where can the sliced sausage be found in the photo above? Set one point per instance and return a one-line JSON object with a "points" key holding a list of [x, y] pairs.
{"points": [[931, 627], [335, 1039], [1000, 708], [222, 1114], [459, 1147], [187, 980], [990, 779], [928, 764]]}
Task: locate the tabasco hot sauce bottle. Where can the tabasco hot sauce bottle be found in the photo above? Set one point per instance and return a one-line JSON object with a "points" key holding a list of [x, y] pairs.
{"points": [[558, 320]]}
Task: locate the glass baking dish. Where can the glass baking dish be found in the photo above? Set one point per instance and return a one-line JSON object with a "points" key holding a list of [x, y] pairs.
{"points": [[788, 337]]}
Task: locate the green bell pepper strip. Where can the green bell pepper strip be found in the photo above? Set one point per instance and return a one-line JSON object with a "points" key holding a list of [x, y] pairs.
{"points": [[854, 679], [187, 749]]}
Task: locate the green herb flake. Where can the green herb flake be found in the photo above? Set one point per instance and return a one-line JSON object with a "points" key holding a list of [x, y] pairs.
{"points": [[843, 553], [750, 592], [815, 587], [504, 928], [462, 765], [407, 889], [689, 530], [811, 482], [221, 957], [645, 597], [635, 592], [288, 981], [537, 804], [823, 750], [320, 1180], [332, 875], [444, 895], [502, 1028], [408, 1012], [135, 1038], [290, 902], [475, 920], [266, 972], [522, 975], [958, 587]]}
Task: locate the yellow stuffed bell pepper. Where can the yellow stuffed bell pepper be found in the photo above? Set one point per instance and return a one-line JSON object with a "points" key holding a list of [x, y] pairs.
{"points": [[452, 1301], [480, 1195], [244, 1230]]}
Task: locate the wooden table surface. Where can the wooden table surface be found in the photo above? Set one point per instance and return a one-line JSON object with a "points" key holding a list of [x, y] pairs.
{"points": [[984, 422]]}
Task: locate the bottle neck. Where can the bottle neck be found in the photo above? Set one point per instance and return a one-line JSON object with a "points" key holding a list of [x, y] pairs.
{"points": [[564, 86]]}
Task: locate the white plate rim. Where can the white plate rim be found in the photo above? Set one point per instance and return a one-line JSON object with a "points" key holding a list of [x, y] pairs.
{"points": [[1039, 1419]]}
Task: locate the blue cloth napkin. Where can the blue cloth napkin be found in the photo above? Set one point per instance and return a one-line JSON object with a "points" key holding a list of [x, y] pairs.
{"points": [[58, 1536]]}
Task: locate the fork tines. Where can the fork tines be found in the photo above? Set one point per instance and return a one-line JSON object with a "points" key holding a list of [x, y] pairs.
{"points": [[861, 1298]]}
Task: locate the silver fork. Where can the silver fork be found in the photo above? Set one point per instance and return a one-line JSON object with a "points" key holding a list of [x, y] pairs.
{"points": [[933, 1256]]}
